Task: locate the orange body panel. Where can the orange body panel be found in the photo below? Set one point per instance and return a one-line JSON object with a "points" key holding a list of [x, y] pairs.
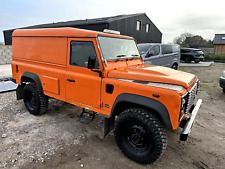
{"points": [[50, 84], [46, 53]]}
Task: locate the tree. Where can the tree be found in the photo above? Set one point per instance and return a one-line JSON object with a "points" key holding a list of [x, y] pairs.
{"points": [[181, 39], [190, 40]]}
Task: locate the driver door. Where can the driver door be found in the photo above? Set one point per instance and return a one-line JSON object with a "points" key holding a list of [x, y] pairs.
{"points": [[154, 59], [82, 84]]}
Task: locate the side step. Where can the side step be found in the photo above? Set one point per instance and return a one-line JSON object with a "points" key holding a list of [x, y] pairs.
{"points": [[86, 116]]}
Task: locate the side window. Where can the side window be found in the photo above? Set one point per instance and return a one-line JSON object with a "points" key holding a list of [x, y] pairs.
{"points": [[167, 49], [80, 52], [184, 51], [155, 50]]}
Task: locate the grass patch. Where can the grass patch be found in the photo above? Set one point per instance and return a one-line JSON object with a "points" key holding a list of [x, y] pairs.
{"points": [[183, 68]]}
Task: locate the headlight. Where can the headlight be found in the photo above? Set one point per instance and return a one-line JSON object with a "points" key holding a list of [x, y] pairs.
{"points": [[223, 74]]}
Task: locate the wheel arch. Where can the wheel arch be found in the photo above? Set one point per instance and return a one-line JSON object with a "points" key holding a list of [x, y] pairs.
{"points": [[127, 100], [28, 77], [132, 100]]}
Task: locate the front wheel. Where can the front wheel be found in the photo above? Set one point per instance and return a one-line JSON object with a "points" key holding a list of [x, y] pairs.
{"points": [[140, 135], [35, 101], [223, 90]]}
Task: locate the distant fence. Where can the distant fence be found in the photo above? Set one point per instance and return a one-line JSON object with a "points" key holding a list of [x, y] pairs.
{"points": [[5, 54], [208, 50], [210, 54]]}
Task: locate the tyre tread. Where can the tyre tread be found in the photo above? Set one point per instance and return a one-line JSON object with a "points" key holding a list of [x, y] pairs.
{"points": [[152, 123]]}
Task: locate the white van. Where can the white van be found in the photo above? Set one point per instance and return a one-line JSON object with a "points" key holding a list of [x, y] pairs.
{"points": [[167, 55]]}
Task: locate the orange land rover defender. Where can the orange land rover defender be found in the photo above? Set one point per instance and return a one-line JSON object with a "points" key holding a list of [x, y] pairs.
{"points": [[103, 73]]}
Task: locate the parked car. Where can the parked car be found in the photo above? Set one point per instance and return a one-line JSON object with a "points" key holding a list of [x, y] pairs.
{"points": [[191, 54], [167, 55], [222, 81]]}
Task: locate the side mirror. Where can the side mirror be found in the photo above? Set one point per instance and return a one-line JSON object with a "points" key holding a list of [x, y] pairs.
{"points": [[150, 53], [91, 62]]}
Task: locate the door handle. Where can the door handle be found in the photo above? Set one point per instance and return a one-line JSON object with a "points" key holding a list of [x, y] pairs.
{"points": [[69, 80]]}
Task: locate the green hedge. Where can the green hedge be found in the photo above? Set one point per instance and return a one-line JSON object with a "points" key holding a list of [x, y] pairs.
{"points": [[214, 57]]}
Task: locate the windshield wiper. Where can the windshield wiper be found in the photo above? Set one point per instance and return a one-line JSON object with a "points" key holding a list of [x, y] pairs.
{"points": [[120, 56], [133, 56], [129, 58]]}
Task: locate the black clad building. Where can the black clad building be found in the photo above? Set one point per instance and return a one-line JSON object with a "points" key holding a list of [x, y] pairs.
{"points": [[138, 26]]}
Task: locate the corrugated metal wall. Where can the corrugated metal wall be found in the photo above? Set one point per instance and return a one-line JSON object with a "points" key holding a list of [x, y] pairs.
{"points": [[128, 27]]}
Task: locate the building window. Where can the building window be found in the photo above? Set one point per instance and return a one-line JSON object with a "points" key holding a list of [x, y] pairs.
{"points": [[147, 27], [138, 25]]}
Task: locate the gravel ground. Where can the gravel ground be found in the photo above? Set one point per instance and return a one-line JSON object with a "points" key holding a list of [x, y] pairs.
{"points": [[58, 140]]}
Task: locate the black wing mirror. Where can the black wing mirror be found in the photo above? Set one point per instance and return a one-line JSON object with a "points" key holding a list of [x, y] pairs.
{"points": [[91, 62]]}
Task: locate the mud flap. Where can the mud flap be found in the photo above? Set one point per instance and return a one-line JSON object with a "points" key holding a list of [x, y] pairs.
{"points": [[19, 92], [109, 125]]}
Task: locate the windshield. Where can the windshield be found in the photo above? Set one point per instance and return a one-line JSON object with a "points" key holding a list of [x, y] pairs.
{"points": [[143, 48], [115, 48]]}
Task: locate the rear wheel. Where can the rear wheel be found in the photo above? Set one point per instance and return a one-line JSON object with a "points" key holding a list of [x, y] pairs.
{"points": [[140, 135], [188, 59], [35, 101], [223, 90]]}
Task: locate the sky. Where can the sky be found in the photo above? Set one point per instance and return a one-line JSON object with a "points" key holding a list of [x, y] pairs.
{"points": [[173, 17]]}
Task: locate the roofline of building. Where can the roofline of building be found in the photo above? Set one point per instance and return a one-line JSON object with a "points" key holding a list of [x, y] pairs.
{"points": [[73, 22]]}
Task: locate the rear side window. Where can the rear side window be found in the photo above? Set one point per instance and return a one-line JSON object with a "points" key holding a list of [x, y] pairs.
{"points": [[80, 52], [167, 49], [176, 48]]}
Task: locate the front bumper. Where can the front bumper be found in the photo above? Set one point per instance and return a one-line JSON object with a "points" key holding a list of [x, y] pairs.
{"points": [[187, 128], [222, 82], [200, 58]]}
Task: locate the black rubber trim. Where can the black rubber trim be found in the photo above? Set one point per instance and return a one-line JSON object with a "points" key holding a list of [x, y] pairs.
{"points": [[155, 105], [14, 80], [35, 78]]}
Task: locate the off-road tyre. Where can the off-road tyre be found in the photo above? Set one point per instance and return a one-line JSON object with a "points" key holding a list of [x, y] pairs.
{"points": [[175, 66], [188, 59], [140, 135], [35, 101]]}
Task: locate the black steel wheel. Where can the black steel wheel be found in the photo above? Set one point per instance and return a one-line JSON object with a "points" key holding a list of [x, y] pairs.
{"points": [[35, 101], [140, 135]]}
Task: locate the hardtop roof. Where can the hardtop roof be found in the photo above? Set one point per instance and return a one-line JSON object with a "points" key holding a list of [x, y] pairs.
{"points": [[62, 32]]}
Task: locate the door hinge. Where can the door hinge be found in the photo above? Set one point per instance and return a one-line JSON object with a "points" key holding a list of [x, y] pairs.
{"points": [[100, 104]]}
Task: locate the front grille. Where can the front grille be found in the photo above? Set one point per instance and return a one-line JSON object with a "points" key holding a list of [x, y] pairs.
{"points": [[190, 98]]}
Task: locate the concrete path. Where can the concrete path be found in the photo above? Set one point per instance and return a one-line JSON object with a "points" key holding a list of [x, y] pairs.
{"points": [[6, 84], [5, 71], [200, 64]]}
